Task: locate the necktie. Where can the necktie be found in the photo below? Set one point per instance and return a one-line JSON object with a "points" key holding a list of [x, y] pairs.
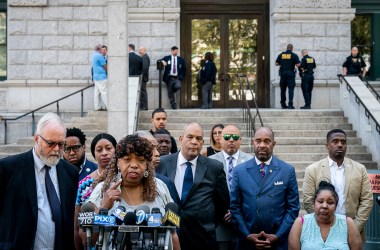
{"points": [[55, 207], [230, 169], [262, 169], [187, 181], [174, 66]]}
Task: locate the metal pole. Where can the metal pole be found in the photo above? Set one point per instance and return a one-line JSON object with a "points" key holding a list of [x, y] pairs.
{"points": [[5, 131], [81, 103], [160, 89]]}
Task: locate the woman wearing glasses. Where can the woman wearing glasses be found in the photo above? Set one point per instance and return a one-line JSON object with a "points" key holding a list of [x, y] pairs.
{"points": [[102, 149], [215, 146]]}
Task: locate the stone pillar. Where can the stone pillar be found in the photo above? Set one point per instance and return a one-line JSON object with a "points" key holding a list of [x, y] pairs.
{"points": [[118, 68], [322, 27]]}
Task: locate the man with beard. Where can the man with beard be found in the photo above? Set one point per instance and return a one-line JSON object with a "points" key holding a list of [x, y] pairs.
{"points": [[264, 197], [230, 156], [37, 193], [349, 178], [75, 152]]}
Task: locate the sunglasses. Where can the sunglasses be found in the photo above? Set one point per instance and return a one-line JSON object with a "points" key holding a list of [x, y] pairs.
{"points": [[235, 137], [52, 144], [74, 148]]}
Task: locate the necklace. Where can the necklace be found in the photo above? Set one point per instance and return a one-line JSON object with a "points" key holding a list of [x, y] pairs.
{"points": [[129, 197], [98, 171]]}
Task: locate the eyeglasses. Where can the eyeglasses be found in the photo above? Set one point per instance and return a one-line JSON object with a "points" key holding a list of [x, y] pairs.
{"points": [[235, 137], [52, 144], [217, 132], [74, 148]]}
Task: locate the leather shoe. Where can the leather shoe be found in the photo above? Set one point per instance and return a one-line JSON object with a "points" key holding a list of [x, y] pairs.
{"points": [[305, 107], [291, 107], [284, 107]]}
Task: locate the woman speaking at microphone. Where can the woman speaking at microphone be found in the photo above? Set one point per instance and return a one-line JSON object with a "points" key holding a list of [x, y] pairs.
{"points": [[137, 186]]}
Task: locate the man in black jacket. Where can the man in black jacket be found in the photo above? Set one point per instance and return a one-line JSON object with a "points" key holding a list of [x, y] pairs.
{"points": [[135, 62], [145, 78]]}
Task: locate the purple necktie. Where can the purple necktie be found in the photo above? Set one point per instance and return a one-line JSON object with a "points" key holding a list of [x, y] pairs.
{"points": [[174, 66], [262, 169]]}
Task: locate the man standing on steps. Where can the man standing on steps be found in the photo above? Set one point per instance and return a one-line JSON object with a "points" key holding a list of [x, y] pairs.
{"points": [[145, 78], [264, 197], [287, 61], [230, 156], [349, 178], [99, 76], [175, 71], [307, 75], [135, 62], [159, 120], [37, 193]]}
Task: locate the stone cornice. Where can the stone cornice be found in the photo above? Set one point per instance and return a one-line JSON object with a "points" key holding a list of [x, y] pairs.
{"points": [[156, 3], [153, 14], [313, 15], [322, 4], [28, 3]]}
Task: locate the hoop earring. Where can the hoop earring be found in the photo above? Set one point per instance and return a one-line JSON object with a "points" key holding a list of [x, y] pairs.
{"points": [[146, 173]]}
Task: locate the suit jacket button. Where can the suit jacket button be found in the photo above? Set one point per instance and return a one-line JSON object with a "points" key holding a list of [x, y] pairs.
{"points": [[257, 211]]}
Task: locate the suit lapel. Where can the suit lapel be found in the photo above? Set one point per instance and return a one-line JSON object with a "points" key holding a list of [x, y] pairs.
{"points": [[171, 170], [29, 177], [199, 174], [347, 176], [273, 170], [255, 174], [62, 176]]}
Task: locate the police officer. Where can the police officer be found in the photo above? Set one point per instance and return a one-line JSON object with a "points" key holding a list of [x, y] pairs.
{"points": [[307, 75], [354, 64], [287, 61]]}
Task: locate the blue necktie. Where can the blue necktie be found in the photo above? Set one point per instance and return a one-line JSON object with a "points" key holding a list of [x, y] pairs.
{"points": [[230, 169], [187, 181], [55, 207]]}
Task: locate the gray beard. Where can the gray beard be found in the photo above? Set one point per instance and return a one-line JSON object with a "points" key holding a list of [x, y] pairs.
{"points": [[49, 161]]}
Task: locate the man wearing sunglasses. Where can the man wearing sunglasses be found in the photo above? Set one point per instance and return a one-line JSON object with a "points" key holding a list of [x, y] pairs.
{"points": [[264, 197], [75, 152], [230, 156], [38, 191]]}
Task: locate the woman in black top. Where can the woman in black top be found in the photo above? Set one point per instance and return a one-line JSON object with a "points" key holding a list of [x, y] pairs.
{"points": [[215, 135]]}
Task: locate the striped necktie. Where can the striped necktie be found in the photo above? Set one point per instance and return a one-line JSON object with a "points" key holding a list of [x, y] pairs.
{"points": [[262, 169], [230, 169]]}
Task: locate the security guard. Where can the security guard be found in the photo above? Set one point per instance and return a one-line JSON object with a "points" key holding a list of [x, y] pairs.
{"points": [[354, 64], [307, 75], [287, 61]]}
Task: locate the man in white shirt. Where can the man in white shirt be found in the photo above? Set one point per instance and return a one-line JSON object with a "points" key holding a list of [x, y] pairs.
{"points": [[349, 178], [230, 156]]}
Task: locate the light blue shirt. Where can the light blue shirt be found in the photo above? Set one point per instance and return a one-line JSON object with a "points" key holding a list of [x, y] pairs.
{"points": [[98, 61], [45, 233]]}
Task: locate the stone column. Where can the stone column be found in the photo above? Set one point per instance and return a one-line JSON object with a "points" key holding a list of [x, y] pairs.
{"points": [[322, 27], [118, 68]]}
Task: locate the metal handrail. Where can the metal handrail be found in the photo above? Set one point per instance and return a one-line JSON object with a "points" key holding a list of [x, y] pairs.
{"points": [[44, 106], [248, 118], [368, 113], [371, 88]]}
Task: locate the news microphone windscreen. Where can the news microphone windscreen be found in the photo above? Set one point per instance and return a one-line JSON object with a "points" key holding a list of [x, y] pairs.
{"points": [[103, 211], [156, 210], [87, 207], [171, 206], [144, 208], [130, 219]]}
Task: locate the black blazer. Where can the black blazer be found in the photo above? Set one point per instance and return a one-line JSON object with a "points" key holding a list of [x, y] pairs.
{"points": [[18, 201], [205, 205], [181, 68], [208, 73], [135, 64]]}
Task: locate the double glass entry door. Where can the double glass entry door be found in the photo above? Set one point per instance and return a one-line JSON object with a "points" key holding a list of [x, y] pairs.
{"points": [[234, 41]]}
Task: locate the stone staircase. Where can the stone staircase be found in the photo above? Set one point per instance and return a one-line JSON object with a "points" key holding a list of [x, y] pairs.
{"points": [[300, 134]]}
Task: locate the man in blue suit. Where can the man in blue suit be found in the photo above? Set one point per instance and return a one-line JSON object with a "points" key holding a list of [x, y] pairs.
{"points": [[264, 197], [175, 71]]}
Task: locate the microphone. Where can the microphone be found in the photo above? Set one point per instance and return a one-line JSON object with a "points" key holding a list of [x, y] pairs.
{"points": [[119, 214], [85, 219], [378, 200], [142, 212], [129, 220], [155, 217], [171, 217], [102, 212]]}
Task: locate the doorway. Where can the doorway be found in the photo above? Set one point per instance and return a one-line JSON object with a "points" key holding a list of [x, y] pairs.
{"points": [[238, 39]]}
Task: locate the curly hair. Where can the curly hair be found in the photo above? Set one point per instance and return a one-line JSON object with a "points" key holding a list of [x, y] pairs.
{"points": [[76, 132], [131, 144]]}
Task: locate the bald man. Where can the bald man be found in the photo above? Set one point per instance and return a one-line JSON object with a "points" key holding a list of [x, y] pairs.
{"points": [[145, 78], [264, 197]]}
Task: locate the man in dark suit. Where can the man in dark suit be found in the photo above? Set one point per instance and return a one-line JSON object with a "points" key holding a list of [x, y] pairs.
{"points": [[37, 193], [201, 188], [175, 71], [264, 197], [145, 78], [135, 62], [75, 152]]}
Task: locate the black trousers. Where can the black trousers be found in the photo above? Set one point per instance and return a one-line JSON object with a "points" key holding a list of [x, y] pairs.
{"points": [[173, 85], [288, 80], [307, 87]]}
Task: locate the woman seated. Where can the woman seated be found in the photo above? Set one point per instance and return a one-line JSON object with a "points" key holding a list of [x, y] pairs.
{"points": [[137, 186], [324, 229]]}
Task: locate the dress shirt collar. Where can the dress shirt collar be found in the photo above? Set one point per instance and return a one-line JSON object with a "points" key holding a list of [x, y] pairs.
{"points": [[182, 160], [258, 162], [235, 156], [332, 163]]}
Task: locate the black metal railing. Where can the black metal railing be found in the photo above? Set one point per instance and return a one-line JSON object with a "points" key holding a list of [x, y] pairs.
{"points": [[248, 118], [37, 109], [368, 113], [371, 88]]}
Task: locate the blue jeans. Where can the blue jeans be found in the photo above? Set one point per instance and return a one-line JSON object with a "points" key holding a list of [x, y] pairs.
{"points": [[207, 95]]}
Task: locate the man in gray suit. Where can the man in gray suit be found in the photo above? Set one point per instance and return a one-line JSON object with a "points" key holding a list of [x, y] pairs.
{"points": [[230, 156], [201, 188]]}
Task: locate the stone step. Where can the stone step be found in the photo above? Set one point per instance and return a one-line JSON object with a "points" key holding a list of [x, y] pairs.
{"points": [[88, 126], [315, 149], [301, 165], [316, 156], [88, 119], [312, 141]]}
